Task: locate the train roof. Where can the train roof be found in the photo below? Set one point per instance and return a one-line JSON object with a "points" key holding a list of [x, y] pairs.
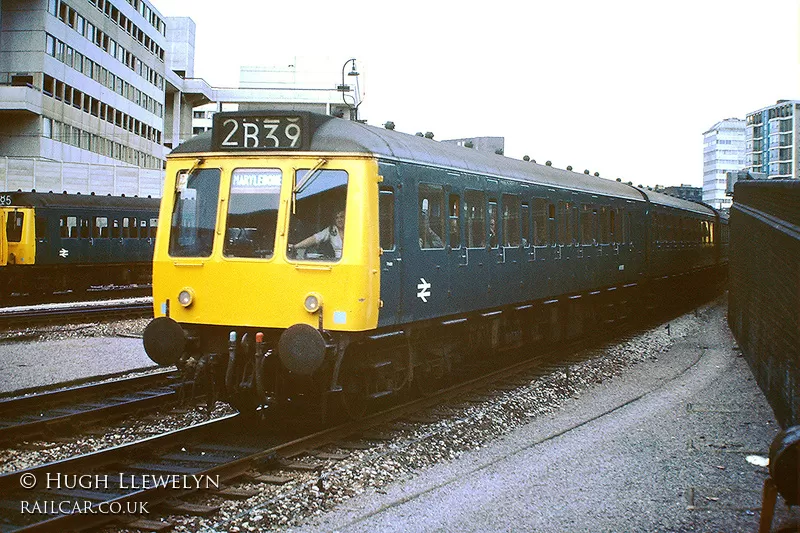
{"points": [[51, 199], [330, 134], [678, 203]]}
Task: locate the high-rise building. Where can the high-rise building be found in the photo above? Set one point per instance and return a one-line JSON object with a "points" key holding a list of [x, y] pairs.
{"points": [[88, 99], [772, 144], [723, 152]]}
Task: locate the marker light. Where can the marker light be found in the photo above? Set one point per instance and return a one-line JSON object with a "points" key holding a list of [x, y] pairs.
{"points": [[312, 302], [186, 297]]}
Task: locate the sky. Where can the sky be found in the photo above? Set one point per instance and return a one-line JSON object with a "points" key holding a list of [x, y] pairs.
{"points": [[625, 88]]}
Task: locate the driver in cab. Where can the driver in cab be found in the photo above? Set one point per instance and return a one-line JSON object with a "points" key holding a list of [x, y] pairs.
{"points": [[332, 235]]}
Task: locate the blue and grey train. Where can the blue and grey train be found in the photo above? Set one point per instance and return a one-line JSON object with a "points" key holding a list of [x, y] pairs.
{"points": [[301, 256], [58, 241]]}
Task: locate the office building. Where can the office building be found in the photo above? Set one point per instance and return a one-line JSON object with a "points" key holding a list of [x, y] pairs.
{"points": [[772, 145], [89, 101], [723, 152]]}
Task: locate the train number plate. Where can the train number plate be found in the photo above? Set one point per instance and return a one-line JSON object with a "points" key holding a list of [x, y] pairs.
{"points": [[257, 132]]}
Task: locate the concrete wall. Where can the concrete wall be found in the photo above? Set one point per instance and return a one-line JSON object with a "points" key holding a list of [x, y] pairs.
{"points": [[180, 45], [28, 174], [19, 134]]}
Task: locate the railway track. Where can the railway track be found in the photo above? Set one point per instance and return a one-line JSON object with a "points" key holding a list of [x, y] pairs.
{"points": [[151, 475], [75, 312], [57, 412]]}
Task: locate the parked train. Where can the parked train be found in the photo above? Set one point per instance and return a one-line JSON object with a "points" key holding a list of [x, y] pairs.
{"points": [[303, 259], [56, 241]]}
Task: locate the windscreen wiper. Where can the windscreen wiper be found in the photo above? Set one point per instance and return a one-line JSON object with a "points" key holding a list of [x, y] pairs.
{"points": [[308, 179]]}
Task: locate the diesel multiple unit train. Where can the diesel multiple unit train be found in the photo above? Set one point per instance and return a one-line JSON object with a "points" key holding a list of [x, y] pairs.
{"points": [[307, 260], [55, 241]]}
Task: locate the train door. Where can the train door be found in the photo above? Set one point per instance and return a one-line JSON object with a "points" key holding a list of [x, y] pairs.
{"points": [[100, 244], [459, 256], [589, 244], [427, 282], [473, 280], [514, 254], [3, 239], [20, 236], [391, 254]]}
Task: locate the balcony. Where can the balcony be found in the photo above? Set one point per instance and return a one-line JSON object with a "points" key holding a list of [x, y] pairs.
{"points": [[18, 99]]}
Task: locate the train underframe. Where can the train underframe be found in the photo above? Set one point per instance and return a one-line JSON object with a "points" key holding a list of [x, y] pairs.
{"points": [[41, 280], [359, 371]]}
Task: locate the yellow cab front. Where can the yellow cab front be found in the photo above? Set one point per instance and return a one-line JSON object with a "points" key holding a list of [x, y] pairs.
{"points": [[227, 254]]}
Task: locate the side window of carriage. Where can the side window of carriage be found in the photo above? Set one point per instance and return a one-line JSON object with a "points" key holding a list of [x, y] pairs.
{"points": [[525, 226], [454, 221], [99, 227], [511, 233], [540, 215], [430, 216], [386, 217], [475, 218]]}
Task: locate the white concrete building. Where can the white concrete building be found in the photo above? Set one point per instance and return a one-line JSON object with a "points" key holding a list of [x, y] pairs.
{"points": [[295, 83], [723, 152], [88, 99], [772, 144]]}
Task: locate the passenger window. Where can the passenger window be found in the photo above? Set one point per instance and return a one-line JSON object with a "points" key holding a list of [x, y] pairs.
{"points": [[612, 224], [72, 227], [431, 216], [540, 222], [627, 228], [143, 233], [86, 230], [115, 232], [562, 226], [569, 223], [493, 237], [475, 218], [587, 224], [454, 221], [386, 215], [525, 225], [511, 220], [604, 225], [100, 227], [153, 227]]}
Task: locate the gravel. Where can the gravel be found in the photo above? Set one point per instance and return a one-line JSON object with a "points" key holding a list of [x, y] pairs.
{"points": [[36, 452], [120, 328], [412, 447], [408, 447]]}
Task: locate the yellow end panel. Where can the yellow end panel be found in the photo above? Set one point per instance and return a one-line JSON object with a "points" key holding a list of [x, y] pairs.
{"points": [[270, 292], [3, 240], [22, 252]]}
